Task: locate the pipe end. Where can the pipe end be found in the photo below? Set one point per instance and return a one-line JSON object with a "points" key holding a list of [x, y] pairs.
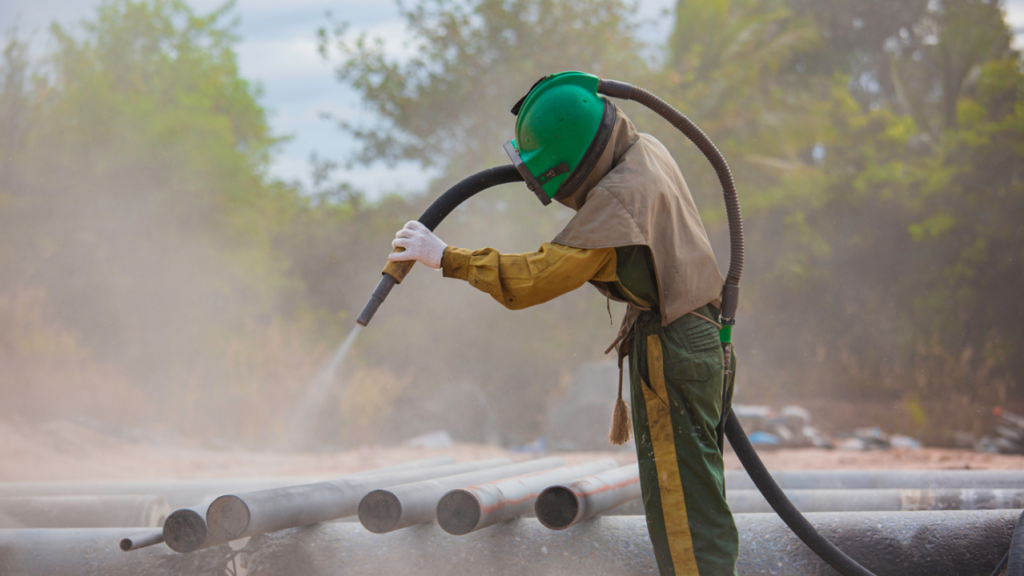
{"points": [[380, 511], [228, 517], [387, 282], [139, 541], [458, 512], [557, 508], [185, 530], [369, 310]]}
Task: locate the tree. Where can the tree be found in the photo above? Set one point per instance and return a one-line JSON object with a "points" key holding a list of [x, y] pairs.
{"points": [[135, 200], [448, 106], [899, 257]]}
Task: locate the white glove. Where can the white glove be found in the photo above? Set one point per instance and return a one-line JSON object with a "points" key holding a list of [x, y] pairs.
{"points": [[420, 244]]}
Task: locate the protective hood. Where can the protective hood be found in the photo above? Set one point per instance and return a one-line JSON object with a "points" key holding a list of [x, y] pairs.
{"points": [[635, 195]]}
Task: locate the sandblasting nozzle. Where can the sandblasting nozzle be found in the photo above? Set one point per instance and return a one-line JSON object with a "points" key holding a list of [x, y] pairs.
{"points": [[387, 282]]}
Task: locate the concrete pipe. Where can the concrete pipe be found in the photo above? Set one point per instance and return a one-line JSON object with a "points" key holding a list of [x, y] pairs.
{"points": [[141, 540], [464, 510], [882, 479], [96, 552], [401, 506], [183, 493], [752, 502], [82, 511], [965, 543], [411, 465], [239, 515], [186, 531], [562, 506], [890, 544]]}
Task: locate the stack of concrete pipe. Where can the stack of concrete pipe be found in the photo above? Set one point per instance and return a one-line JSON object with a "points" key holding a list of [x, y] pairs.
{"points": [[435, 516], [617, 492]]}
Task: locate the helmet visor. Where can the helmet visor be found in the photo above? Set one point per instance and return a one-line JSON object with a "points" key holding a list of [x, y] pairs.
{"points": [[524, 171]]}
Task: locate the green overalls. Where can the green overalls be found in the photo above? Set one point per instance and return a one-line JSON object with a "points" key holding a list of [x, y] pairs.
{"points": [[676, 381], [675, 375]]}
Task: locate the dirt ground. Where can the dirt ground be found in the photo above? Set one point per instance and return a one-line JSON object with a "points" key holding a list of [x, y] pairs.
{"points": [[63, 450]]}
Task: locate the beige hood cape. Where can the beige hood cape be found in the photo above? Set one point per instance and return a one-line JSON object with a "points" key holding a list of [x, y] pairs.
{"points": [[635, 195]]}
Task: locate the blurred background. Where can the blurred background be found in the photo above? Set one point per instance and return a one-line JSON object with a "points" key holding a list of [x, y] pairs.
{"points": [[197, 198]]}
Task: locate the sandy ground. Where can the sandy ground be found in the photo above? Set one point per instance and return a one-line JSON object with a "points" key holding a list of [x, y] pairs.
{"points": [[62, 450]]}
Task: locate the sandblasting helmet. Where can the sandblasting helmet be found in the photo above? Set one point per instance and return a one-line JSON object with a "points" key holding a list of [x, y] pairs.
{"points": [[562, 127]]}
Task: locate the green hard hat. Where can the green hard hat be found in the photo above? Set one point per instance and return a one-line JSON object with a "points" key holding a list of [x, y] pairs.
{"points": [[562, 126]]}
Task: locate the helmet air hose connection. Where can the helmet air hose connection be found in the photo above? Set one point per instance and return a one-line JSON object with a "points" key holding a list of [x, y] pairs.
{"points": [[731, 290]]}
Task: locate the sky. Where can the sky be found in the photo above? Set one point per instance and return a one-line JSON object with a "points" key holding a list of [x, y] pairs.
{"points": [[278, 50]]}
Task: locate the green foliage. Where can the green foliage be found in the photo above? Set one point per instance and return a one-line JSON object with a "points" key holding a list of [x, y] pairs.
{"points": [[876, 145], [921, 215], [135, 198], [447, 106], [472, 62]]}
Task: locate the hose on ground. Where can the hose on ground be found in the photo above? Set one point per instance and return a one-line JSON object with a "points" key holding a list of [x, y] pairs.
{"points": [[1015, 557], [796, 521]]}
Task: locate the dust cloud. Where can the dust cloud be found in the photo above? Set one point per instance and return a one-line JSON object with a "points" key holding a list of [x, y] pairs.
{"points": [[155, 281]]}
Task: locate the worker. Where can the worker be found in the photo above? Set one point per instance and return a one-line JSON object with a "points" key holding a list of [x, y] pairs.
{"points": [[638, 238]]}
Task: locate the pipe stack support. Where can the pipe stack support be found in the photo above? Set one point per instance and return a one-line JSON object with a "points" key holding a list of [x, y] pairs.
{"points": [[383, 511], [236, 516], [918, 544], [464, 510]]}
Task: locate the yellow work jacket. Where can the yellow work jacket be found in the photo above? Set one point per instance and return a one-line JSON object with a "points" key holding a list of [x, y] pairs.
{"points": [[519, 281]]}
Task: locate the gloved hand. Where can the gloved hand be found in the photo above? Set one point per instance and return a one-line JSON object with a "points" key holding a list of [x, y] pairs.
{"points": [[420, 244]]}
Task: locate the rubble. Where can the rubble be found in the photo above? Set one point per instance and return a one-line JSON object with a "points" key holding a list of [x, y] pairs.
{"points": [[1010, 428], [791, 427], [431, 440]]}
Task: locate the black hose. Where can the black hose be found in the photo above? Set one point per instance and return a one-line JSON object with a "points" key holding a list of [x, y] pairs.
{"points": [[803, 529], [730, 292], [711, 152], [466, 189], [438, 211], [1015, 557], [1002, 563]]}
